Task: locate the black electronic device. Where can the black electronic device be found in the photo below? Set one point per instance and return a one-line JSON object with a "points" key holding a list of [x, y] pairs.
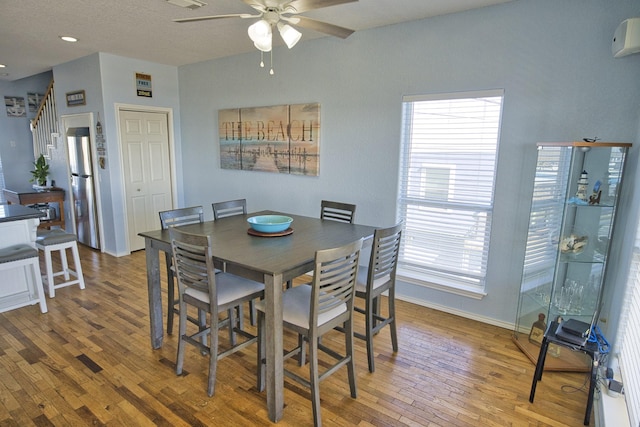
{"points": [[576, 327], [570, 338], [576, 331]]}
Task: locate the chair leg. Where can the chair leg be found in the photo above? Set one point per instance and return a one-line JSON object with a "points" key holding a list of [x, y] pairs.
{"points": [[252, 312], [314, 381], [369, 307], [232, 324], [182, 329], [392, 316], [171, 295], [303, 350], [202, 324], [262, 369], [213, 357], [376, 311], [351, 365], [240, 317]]}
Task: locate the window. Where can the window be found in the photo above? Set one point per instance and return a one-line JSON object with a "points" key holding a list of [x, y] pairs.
{"points": [[447, 175], [629, 338], [2, 200]]}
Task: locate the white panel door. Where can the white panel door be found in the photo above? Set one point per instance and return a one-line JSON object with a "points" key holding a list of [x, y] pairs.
{"points": [[147, 172]]}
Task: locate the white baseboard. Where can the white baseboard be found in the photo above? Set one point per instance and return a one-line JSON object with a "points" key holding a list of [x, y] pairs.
{"points": [[461, 313]]}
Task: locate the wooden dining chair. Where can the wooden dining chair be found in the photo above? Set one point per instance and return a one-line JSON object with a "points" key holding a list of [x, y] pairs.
{"points": [[379, 277], [315, 309], [337, 211], [229, 208], [172, 218], [334, 211], [200, 286]]}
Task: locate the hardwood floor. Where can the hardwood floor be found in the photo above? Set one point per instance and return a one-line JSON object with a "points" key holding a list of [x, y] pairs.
{"points": [[88, 361]]}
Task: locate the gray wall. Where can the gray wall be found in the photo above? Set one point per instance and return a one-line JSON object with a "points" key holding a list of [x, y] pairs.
{"points": [[553, 60], [109, 80]]}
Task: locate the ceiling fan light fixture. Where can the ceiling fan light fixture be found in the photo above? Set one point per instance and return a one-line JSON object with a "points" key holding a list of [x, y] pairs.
{"points": [[264, 46], [259, 32], [290, 35]]}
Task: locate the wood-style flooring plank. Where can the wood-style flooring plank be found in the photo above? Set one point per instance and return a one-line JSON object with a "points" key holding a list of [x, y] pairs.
{"points": [[88, 361]]}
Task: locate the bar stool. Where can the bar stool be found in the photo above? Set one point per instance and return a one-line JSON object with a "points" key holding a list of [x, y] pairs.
{"points": [[59, 240], [23, 255]]}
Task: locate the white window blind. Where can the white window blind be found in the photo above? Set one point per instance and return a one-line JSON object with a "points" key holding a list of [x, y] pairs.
{"points": [[629, 335], [447, 175], [1, 183]]}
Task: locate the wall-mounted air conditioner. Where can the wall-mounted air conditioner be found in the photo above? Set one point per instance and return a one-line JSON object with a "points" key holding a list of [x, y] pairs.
{"points": [[626, 39]]}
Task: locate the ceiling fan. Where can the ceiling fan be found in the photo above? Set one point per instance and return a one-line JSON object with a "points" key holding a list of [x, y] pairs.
{"points": [[281, 13]]}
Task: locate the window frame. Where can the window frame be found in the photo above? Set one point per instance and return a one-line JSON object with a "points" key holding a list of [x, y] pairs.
{"points": [[424, 272]]}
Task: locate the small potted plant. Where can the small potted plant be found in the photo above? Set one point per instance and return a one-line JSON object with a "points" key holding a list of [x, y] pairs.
{"points": [[41, 171]]}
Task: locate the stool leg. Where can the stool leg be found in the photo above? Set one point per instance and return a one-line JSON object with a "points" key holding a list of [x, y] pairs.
{"points": [[37, 277], [65, 263], [49, 267], [78, 266]]}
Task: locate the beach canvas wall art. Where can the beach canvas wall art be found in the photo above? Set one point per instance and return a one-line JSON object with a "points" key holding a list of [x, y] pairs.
{"points": [[279, 139]]}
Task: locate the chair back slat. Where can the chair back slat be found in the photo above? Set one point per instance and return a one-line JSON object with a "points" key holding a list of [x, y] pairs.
{"points": [[334, 278], [229, 208], [193, 262], [337, 211], [384, 255], [183, 216]]}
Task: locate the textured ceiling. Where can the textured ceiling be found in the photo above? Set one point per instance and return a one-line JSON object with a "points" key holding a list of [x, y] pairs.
{"points": [[143, 29]]}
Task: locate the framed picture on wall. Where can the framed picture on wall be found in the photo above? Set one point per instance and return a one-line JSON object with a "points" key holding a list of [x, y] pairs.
{"points": [[279, 138], [75, 98], [15, 106]]}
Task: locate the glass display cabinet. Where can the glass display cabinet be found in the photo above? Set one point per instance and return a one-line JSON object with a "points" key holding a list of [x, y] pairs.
{"points": [[573, 209]]}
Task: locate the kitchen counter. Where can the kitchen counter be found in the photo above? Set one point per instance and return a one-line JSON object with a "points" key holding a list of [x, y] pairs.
{"points": [[18, 212]]}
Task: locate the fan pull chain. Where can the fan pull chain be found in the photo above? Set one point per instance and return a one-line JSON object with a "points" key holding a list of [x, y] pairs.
{"points": [[271, 71], [261, 59]]}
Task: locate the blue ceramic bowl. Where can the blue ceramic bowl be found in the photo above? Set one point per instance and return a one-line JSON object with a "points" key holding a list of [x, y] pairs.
{"points": [[270, 223]]}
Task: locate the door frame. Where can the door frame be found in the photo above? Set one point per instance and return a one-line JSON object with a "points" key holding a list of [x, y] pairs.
{"points": [[168, 112], [83, 120]]}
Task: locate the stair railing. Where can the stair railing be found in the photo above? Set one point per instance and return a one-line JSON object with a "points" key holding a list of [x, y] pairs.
{"points": [[44, 127]]}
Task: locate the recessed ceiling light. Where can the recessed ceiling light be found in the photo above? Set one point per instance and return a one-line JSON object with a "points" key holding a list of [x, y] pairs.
{"points": [[189, 4], [2, 65], [69, 39]]}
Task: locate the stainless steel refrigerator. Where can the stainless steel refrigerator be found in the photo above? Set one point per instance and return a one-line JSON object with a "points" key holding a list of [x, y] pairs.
{"points": [[83, 186]]}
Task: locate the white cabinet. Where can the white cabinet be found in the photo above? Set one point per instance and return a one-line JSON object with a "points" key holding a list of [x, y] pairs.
{"points": [[16, 285]]}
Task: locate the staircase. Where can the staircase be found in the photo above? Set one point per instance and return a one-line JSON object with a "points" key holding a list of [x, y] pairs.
{"points": [[44, 127]]}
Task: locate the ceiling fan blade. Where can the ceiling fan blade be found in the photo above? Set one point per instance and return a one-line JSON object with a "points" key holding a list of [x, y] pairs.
{"points": [[207, 18], [305, 5], [324, 27], [261, 5]]}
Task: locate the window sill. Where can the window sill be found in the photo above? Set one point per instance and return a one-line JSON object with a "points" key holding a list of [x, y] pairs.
{"points": [[465, 291], [610, 411]]}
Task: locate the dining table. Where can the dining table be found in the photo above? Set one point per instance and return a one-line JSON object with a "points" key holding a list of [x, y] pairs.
{"points": [[269, 259]]}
